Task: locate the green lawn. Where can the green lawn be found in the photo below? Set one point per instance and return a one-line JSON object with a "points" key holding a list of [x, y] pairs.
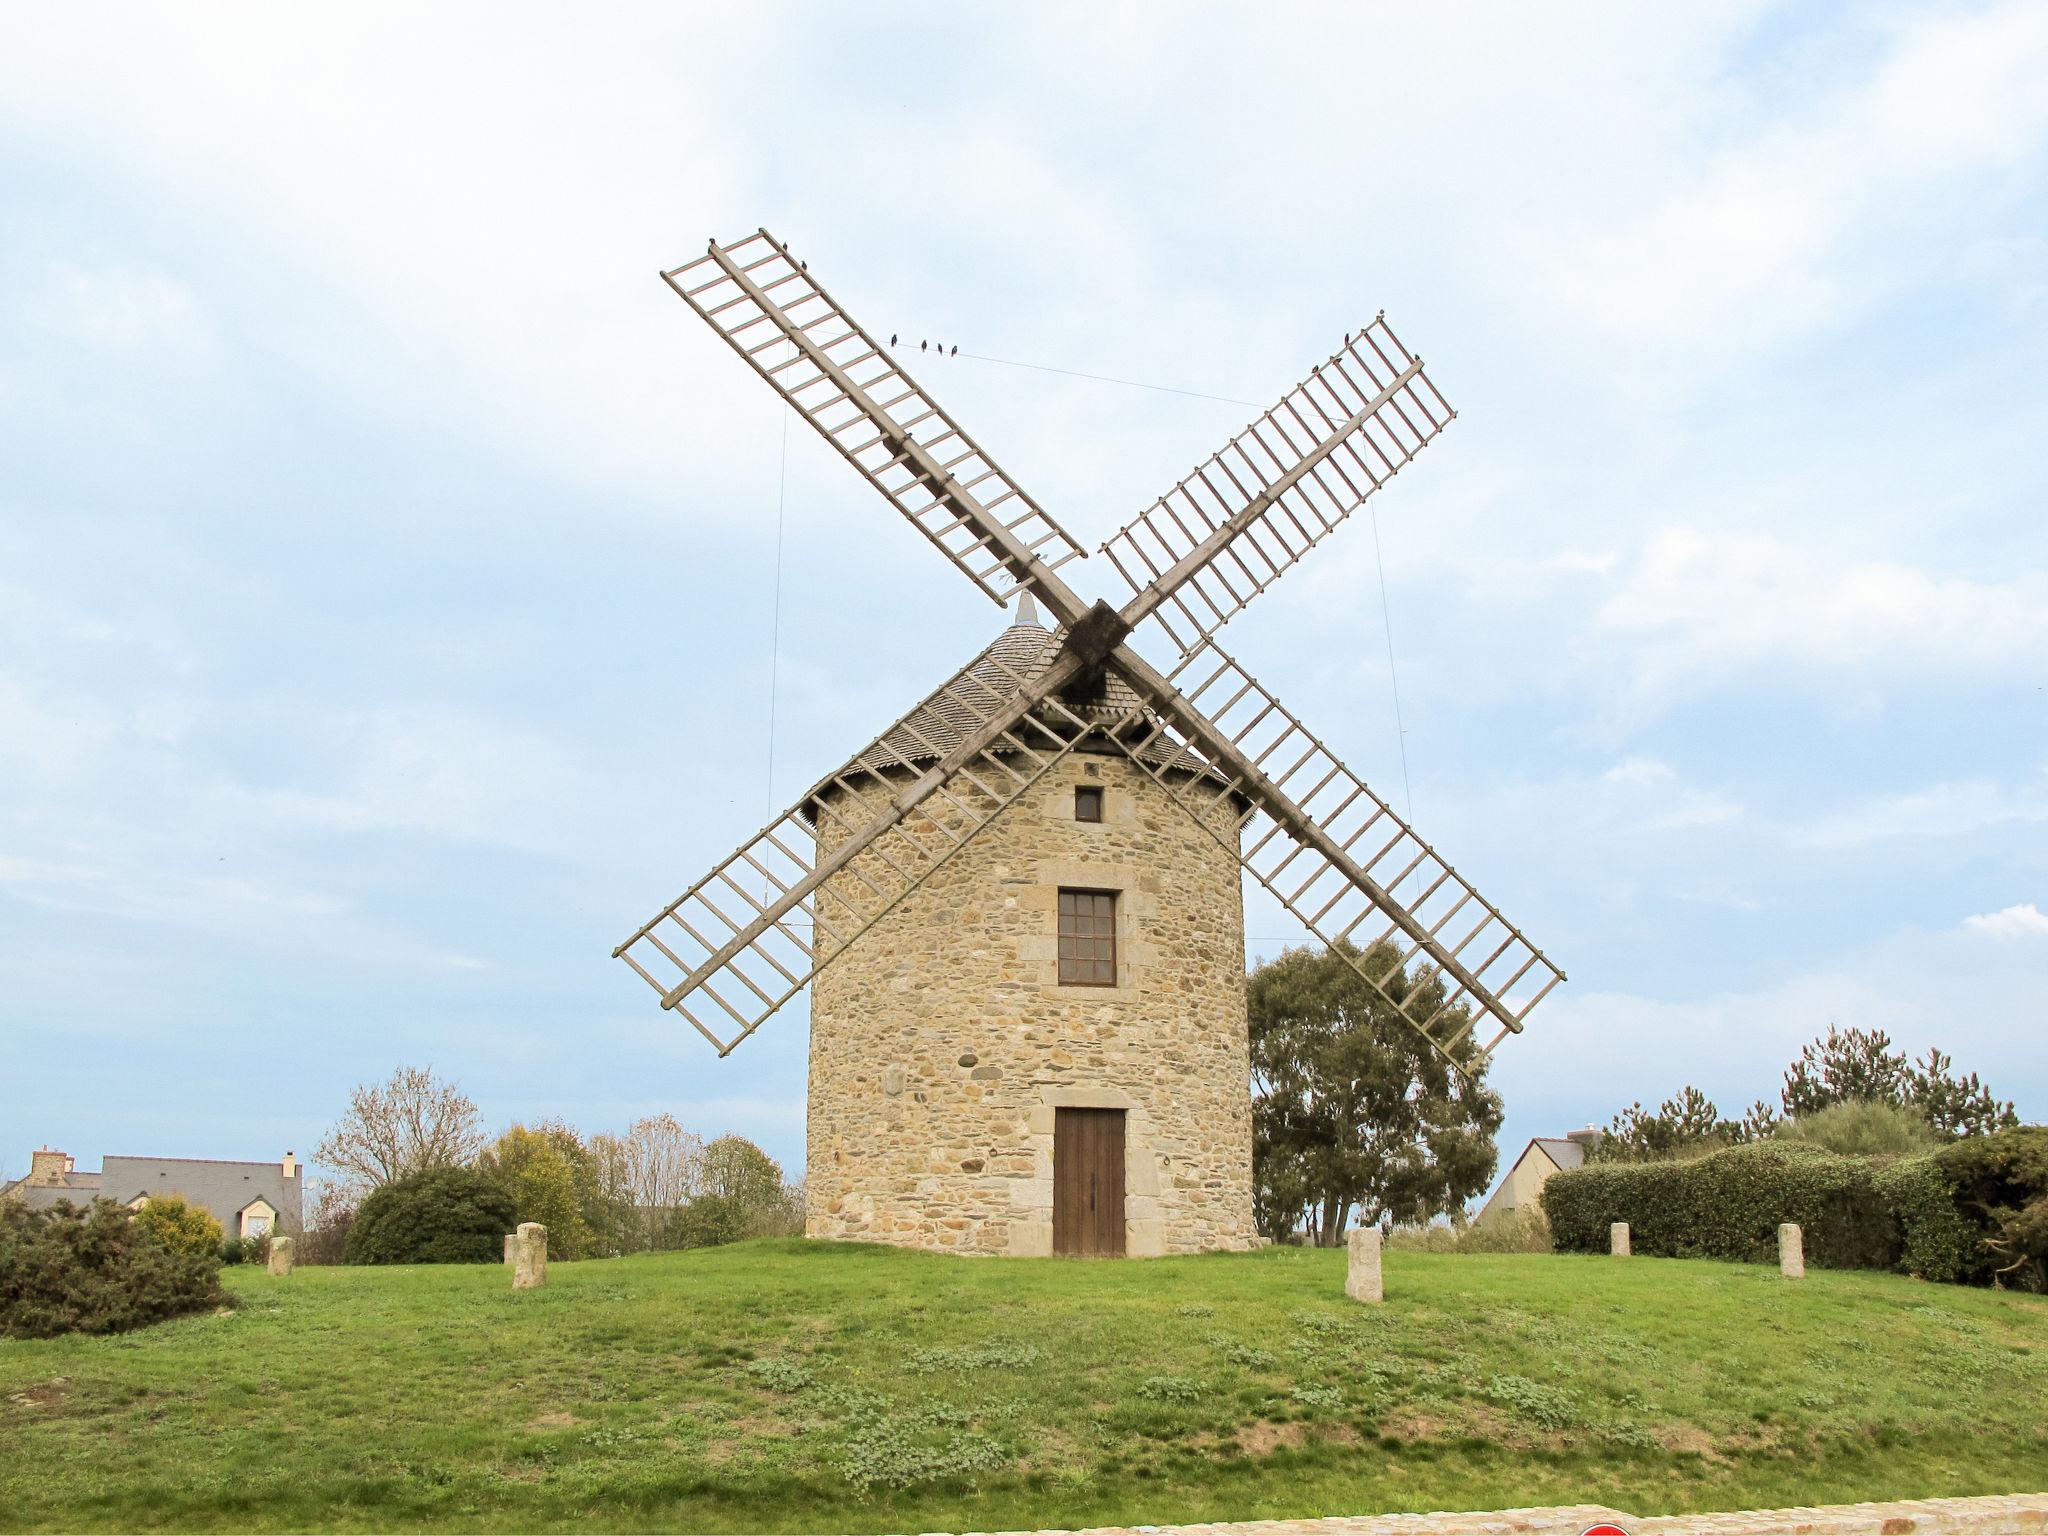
{"points": [[792, 1386]]}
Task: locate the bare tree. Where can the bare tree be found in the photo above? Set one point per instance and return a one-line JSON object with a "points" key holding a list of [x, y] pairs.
{"points": [[664, 1162], [412, 1122], [660, 1167]]}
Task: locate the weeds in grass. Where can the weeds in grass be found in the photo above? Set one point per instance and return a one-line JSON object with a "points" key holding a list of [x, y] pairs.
{"points": [[1170, 1389], [1194, 1309], [1001, 1354], [779, 1375], [1546, 1407], [1319, 1397]]}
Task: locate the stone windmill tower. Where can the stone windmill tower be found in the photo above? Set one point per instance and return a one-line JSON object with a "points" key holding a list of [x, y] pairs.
{"points": [[1021, 902]]}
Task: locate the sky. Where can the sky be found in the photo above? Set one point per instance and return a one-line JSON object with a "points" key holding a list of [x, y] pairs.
{"points": [[402, 595]]}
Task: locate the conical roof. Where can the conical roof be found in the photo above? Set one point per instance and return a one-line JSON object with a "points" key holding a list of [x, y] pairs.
{"points": [[1021, 652]]}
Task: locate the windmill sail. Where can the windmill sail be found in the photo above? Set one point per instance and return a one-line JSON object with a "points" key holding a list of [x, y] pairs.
{"points": [[1397, 890], [1218, 539], [840, 380], [746, 938]]}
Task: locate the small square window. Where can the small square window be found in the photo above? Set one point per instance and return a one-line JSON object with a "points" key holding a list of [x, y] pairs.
{"points": [[1087, 938], [1088, 803]]}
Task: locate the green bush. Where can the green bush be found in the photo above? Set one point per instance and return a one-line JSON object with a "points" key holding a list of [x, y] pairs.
{"points": [[710, 1220], [1727, 1205], [1936, 1241], [93, 1270], [2000, 1182], [181, 1226], [1863, 1128], [439, 1216]]}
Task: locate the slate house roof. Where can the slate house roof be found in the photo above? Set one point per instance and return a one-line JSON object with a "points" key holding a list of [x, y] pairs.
{"points": [[78, 1188], [1561, 1151], [224, 1188]]}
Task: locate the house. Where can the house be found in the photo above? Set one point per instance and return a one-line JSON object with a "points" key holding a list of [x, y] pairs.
{"points": [[1544, 1156], [247, 1199]]}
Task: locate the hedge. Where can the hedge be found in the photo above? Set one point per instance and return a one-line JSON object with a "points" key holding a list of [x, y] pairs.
{"points": [[1959, 1214]]}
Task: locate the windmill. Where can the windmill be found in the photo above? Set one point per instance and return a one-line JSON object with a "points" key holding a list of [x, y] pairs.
{"points": [[1036, 717]]}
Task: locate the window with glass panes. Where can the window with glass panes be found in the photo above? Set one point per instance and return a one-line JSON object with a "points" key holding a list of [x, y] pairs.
{"points": [[1088, 938]]}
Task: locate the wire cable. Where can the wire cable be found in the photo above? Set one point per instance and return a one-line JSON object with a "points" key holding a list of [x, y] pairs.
{"points": [[1103, 378], [1387, 617]]}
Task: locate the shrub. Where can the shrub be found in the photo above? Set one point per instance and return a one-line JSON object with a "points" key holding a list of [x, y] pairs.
{"points": [[181, 1226], [1863, 1128], [440, 1216], [710, 1220], [2000, 1182], [1517, 1231], [1936, 1241], [93, 1270], [1728, 1205]]}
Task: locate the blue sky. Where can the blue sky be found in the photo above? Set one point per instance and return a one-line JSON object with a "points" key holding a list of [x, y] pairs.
{"points": [[387, 559]]}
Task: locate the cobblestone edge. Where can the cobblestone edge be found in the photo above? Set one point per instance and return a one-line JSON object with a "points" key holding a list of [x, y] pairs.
{"points": [[2019, 1514]]}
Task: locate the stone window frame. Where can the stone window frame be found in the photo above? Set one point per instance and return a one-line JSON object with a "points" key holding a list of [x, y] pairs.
{"points": [[1090, 803], [1094, 937]]}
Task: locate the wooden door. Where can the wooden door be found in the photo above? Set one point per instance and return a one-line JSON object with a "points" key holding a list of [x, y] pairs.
{"points": [[1088, 1181]]}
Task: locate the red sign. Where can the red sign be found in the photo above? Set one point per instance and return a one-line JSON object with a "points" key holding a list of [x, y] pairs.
{"points": [[1604, 1528]]}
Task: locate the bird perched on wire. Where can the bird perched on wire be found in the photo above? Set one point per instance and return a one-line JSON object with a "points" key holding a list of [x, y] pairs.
{"points": [[955, 352], [923, 346], [892, 338]]}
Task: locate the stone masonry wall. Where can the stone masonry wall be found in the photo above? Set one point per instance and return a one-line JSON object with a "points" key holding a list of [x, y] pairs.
{"points": [[942, 1042]]}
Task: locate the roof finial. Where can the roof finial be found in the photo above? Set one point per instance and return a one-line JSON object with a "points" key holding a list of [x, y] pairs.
{"points": [[1027, 610]]}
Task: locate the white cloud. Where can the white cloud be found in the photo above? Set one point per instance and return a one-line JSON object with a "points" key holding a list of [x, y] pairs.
{"points": [[1938, 811], [1764, 243], [120, 308], [2024, 921], [1696, 607]]}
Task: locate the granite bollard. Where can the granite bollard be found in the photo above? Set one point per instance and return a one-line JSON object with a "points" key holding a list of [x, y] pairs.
{"points": [[1362, 1280], [281, 1255], [1617, 1239], [1791, 1250], [511, 1247], [530, 1261]]}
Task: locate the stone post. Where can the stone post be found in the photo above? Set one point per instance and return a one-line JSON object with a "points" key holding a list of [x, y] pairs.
{"points": [[280, 1255], [511, 1247], [1791, 1250], [1362, 1278], [530, 1257], [1617, 1239]]}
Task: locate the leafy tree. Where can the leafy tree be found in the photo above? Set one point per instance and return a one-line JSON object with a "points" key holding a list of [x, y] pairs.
{"points": [[413, 1121], [1685, 1126], [436, 1216], [1351, 1107], [748, 1194], [181, 1226], [548, 1172], [1955, 1106], [67, 1269], [1860, 1066]]}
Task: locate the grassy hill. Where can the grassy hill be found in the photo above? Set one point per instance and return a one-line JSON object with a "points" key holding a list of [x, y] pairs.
{"points": [[786, 1386]]}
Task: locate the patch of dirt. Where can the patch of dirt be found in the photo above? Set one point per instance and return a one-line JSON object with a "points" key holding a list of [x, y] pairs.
{"points": [[1408, 1424], [554, 1421], [1262, 1437], [1685, 1438], [44, 1394]]}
